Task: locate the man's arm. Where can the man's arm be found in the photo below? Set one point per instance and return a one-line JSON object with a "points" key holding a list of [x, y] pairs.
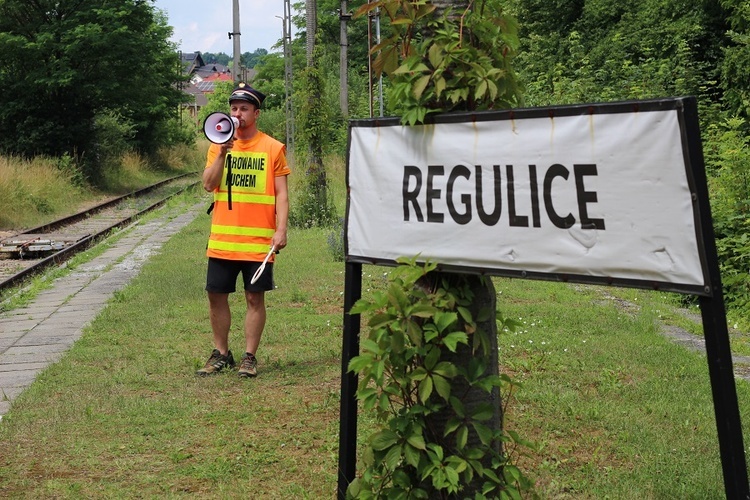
{"points": [[282, 211], [212, 174]]}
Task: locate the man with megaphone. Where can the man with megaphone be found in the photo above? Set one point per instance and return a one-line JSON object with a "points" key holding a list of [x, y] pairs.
{"points": [[246, 170]]}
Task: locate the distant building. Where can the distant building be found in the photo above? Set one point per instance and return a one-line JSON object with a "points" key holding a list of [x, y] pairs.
{"points": [[203, 78]]}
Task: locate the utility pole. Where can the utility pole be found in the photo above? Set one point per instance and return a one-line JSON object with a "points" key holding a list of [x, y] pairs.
{"points": [[369, 59], [377, 41], [311, 13], [289, 112], [235, 36], [344, 16]]}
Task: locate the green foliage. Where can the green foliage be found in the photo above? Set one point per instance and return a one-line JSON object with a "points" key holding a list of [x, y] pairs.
{"points": [[180, 129], [455, 61], [312, 118], [602, 50], [63, 64], [34, 191], [112, 140], [272, 121], [314, 206], [406, 381], [735, 70], [335, 241], [218, 100], [70, 169], [728, 160]]}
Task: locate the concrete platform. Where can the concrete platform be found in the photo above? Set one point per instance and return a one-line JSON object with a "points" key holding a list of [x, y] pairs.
{"points": [[34, 336]]}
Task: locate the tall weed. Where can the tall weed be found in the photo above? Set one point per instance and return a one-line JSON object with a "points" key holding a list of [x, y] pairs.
{"points": [[31, 191]]}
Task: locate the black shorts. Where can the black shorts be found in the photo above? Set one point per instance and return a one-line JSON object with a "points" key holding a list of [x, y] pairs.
{"points": [[222, 276]]}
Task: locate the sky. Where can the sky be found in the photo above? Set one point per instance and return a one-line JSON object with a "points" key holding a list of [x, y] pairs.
{"points": [[203, 26]]}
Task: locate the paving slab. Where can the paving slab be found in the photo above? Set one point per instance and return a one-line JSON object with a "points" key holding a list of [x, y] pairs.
{"points": [[36, 335]]}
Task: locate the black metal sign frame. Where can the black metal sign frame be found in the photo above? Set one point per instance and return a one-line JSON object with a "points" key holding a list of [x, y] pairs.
{"points": [[711, 299]]}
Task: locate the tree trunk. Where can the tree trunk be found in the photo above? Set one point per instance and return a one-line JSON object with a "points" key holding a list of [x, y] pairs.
{"points": [[484, 299]]}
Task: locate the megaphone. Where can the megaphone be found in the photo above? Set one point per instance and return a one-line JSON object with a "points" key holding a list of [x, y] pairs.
{"points": [[219, 127]]}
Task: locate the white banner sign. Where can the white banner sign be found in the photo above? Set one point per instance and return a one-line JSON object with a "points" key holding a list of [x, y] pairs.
{"points": [[599, 195]]}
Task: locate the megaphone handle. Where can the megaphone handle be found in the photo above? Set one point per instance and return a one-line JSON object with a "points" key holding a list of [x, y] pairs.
{"points": [[228, 163]]}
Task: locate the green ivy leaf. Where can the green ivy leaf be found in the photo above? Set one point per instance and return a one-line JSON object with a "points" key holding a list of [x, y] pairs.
{"points": [[361, 306], [483, 412], [439, 86], [451, 425], [484, 433], [383, 439], [458, 407], [415, 333], [480, 90], [444, 320], [380, 320], [435, 451], [442, 386], [452, 477], [417, 441], [359, 363], [397, 342], [465, 314], [452, 340], [435, 55], [425, 389], [419, 374], [462, 436], [432, 358], [393, 457], [446, 369]]}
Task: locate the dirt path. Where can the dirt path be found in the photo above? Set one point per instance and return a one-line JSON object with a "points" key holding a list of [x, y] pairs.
{"points": [[741, 364]]}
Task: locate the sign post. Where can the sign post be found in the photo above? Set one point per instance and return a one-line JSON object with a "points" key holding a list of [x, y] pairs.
{"points": [[609, 194]]}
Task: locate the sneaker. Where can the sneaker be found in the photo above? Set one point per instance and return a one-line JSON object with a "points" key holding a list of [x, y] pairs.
{"points": [[216, 363], [249, 366]]}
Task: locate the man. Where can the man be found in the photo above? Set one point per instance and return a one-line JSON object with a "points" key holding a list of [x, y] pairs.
{"points": [[249, 218]]}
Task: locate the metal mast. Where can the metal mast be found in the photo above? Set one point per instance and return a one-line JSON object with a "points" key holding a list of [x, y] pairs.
{"points": [[235, 36], [344, 16], [289, 112]]}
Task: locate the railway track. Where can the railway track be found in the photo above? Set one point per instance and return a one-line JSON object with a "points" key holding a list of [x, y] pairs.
{"points": [[33, 250]]}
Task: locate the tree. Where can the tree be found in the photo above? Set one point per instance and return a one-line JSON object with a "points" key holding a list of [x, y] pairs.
{"points": [[443, 55], [251, 59], [736, 63], [63, 62], [216, 58], [603, 50]]}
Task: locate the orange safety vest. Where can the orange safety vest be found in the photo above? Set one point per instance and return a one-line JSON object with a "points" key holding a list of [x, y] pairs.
{"points": [[245, 231]]}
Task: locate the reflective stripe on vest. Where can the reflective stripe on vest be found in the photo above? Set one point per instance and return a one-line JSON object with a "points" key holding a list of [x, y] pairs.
{"points": [[242, 231], [247, 248], [261, 199]]}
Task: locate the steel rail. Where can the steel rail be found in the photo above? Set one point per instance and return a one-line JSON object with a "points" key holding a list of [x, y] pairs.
{"points": [[59, 257]]}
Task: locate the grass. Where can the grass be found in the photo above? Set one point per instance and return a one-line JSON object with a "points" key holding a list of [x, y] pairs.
{"points": [[32, 191], [39, 190], [615, 409]]}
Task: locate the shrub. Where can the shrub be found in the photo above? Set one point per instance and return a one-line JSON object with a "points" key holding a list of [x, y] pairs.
{"points": [[433, 440]]}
